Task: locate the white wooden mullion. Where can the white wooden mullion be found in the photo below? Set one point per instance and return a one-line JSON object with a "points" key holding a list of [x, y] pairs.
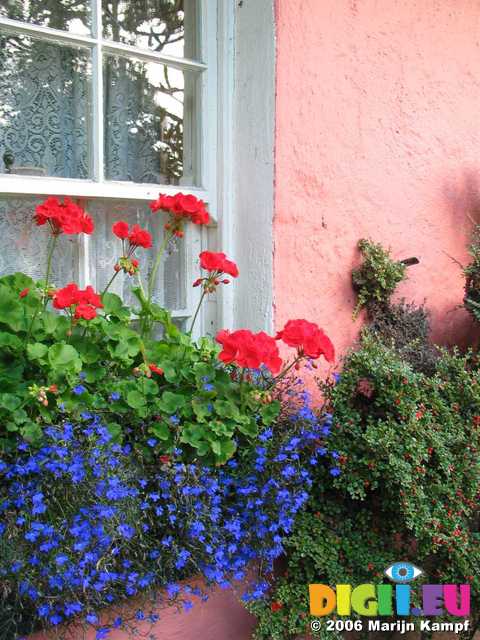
{"points": [[11, 184], [184, 64], [119, 48], [45, 33]]}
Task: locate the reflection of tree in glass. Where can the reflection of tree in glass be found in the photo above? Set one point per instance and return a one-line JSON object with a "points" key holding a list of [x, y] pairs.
{"points": [[56, 14], [154, 124], [152, 23], [157, 25]]}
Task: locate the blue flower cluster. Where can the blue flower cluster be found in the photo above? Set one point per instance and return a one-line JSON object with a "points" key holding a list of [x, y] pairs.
{"points": [[84, 523]]}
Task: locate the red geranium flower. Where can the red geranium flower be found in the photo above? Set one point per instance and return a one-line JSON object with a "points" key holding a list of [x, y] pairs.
{"points": [[276, 606], [120, 229], [67, 296], [181, 207], [85, 311], [250, 350], [82, 303], [139, 237], [155, 369], [218, 262], [308, 338], [63, 217]]}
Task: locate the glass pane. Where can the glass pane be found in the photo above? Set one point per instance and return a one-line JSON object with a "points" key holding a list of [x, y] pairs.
{"points": [[150, 124], [23, 245], [68, 15], [166, 26], [44, 108], [170, 287]]}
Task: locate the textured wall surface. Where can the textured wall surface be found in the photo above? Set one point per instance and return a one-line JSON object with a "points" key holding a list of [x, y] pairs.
{"points": [[377, 135], [222, 617]]}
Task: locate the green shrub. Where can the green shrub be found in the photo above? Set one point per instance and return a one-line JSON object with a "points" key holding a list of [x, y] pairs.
{"points": [[407, 447], [377, 277], [405, 328], [471, 299]]}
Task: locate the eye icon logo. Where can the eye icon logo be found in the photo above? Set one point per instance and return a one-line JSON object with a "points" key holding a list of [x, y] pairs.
{"points": [[402, 572]]}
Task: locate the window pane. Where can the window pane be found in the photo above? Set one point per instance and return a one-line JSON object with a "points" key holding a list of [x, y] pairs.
{"points": [[165, 26], [44, 108], [67, 15], [23, 245], [150, 124], [170, 287]]}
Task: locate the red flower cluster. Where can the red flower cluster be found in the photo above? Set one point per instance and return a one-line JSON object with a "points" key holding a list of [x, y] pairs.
{"points": [[85, 302], [63, 217], [308, 338], [219, 263], [136, 236], [181, 207], [249, 350], [155, 369]]}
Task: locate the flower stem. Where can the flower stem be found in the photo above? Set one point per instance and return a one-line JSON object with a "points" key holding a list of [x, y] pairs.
{"points": [[109, 283], [47, 278], [151, 282], [49, 267], [197, 312], [283, 373]]}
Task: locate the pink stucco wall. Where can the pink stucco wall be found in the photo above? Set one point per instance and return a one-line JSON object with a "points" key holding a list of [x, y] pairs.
{"points": [[377, 135], [221, 617]]}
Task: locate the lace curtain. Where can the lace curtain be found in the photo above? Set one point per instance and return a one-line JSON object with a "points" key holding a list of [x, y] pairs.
{"points": [[24, 248], [46, 105], [44, 108]]}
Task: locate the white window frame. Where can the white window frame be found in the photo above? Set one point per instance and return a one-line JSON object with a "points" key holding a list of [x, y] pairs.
{"points": [[100, 189]]}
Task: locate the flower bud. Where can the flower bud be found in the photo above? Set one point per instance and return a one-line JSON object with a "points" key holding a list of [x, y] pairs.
{"points": [[197, 282], [167, 226], [216, 282], [179, 233], [117, 267], [226, 281]]}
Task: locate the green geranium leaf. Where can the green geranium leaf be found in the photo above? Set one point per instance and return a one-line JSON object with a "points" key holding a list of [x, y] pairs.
{"points": [[249, 428], [202, 408], [9, 401], [223, 450], [64, 356], [11, 310], [10, 341], [160, 430], [32, 432], [37, 350], [136, 400], [226, 409], [171, 402], [270, 411]]}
